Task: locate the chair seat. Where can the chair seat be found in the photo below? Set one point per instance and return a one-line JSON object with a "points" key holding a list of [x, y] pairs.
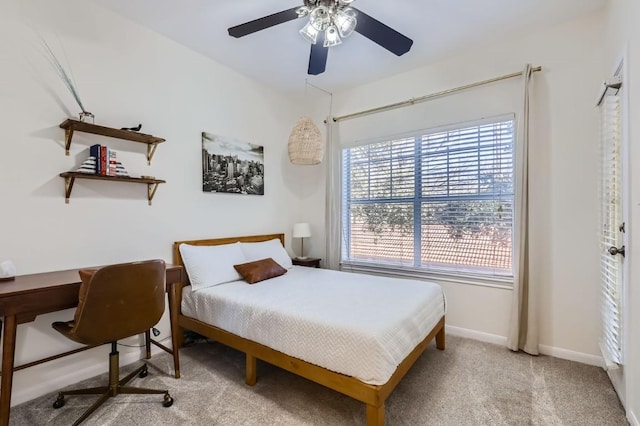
{"points": [[64, 327]]}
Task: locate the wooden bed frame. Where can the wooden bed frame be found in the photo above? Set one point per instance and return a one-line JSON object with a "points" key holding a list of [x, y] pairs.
{"points": [[373, 396]]}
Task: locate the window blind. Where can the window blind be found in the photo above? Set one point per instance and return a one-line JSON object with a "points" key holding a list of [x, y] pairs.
{"points": [[610, 234], [439, 200]]}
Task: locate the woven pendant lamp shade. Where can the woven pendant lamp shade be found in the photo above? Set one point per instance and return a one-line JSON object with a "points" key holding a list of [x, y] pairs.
{"points": [[305, 143]]}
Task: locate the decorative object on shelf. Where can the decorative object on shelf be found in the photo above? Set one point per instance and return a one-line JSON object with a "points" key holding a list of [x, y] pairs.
{"points": [[86, 116], [302, 231], [7, 271], [88, 166], [305, 143], [231, 166], [120, 170], [68, 82], [132, 129]]}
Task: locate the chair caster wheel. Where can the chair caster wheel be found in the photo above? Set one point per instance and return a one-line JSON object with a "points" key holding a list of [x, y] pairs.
{"points": [[59, 402], [144, 373], [168, 401]]}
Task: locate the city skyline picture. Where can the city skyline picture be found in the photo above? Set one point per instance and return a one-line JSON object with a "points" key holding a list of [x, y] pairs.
{"points": [[231, 166]]}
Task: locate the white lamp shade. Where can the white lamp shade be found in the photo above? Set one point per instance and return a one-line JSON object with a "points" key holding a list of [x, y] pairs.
{"points": [[331, 37], [346, 21], [301, 230], [309, 33]]}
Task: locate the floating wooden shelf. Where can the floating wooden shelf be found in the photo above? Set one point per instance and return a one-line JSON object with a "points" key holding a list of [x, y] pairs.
{"points": [[70, 125], [70, 177]]}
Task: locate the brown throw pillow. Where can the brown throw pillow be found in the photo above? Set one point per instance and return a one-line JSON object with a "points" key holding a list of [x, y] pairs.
{"points": [[260, 270]]}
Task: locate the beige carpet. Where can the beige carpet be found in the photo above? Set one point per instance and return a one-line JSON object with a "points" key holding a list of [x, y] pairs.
{"points": [[471, 383]]}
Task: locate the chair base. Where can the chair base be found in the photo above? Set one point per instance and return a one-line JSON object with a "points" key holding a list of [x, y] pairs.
{"points": [[114, 388]]}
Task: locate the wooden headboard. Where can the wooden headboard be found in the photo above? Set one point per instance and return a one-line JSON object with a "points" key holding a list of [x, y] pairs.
{"points": [[177, 259]]}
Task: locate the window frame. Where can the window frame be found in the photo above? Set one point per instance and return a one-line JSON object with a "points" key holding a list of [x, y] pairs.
{"points": [[415, 270]]}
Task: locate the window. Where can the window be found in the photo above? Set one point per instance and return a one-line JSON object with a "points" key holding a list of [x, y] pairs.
{"points": [[439, 200]]}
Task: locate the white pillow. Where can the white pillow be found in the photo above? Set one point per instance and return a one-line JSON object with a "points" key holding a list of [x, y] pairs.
{"points": [[264, 249], [211, 265]]}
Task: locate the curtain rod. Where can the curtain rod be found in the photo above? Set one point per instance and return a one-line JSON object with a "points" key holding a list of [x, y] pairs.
{"points": [[431, 96]]}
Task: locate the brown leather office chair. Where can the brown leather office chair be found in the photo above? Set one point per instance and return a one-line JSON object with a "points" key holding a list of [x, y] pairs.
{"points": [[115, 302]]}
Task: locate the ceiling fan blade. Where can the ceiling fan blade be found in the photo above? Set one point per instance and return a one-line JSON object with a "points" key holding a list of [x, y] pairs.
{"points": [[382, 34], [318, 57], [263, 23]]}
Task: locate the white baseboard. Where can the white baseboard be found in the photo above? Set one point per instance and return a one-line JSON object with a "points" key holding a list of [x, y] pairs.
{"points": [[53, 385], [572, 355], [544, 349], [633, 420], [475, 335]]}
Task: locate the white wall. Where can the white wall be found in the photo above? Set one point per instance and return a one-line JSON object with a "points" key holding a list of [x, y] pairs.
{"points": [[623, 39], [563, 199], [310, 190], [126, 75]]}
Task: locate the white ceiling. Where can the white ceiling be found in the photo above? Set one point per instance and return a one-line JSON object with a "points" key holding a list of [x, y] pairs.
{"points": [[278, 56]]}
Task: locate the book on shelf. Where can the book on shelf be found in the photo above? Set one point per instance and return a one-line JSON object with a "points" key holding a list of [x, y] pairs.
{"points": [[95, 151], [102, 161], [112, 171]]}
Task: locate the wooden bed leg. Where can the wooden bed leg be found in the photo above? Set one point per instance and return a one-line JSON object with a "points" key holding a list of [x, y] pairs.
{"points": [[250, 370], [177, 332], [375, 415], [440, 340]]}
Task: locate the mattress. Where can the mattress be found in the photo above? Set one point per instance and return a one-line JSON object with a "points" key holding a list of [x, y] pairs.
{"points": [[355, 324]]}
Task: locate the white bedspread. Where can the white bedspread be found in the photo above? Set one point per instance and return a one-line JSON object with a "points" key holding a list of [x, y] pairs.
{"points": [[355, 324]]}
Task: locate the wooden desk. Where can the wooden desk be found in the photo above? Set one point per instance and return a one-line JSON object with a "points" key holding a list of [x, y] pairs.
{"points": [[31, 295]]}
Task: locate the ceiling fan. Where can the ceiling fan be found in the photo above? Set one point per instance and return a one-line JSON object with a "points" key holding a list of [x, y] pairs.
{"points": [[329, 21]]}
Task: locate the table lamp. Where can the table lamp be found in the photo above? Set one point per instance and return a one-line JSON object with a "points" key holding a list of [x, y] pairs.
{"points": [[302, 231]]}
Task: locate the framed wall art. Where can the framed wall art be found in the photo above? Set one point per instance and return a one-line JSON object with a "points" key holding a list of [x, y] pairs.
{"points": [[231, 166]]}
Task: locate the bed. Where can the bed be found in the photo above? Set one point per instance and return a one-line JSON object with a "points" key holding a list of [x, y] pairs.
{"points": [[271, 319]]}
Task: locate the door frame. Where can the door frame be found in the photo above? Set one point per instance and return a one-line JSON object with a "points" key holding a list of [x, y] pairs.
{"points": [[618, 376]]}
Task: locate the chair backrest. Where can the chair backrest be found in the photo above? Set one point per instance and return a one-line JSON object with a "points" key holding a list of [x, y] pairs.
{"points": [[119, 301]]}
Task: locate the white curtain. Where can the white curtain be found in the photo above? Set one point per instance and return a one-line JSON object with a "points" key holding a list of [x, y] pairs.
{"points": [[523, 332], [333, 198]]}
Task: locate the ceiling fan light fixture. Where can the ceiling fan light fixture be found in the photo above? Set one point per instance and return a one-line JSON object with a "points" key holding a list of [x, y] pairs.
{"points": [[320, 18], [303, 11], [331, 37], [322, 14], [345, 21], [309, 33], [333, 17]]}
